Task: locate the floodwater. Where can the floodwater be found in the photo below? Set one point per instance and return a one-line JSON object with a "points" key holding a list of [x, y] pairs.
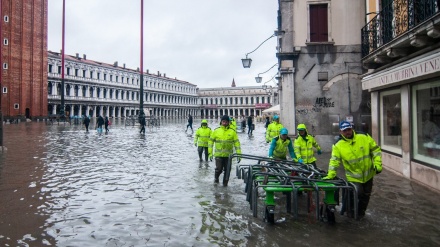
{"points": [[61, 186]]}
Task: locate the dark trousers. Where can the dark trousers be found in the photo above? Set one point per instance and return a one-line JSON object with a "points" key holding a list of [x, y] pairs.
{"points": [[189, 125], [220, 166], [87, 127], [200, 150], [364, 193], [143, 129], [106, 128], [251, 128]]}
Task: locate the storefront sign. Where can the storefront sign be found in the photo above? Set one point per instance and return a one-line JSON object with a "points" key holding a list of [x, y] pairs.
{"points": [[262, 105], [421, 67], [210, 106]]}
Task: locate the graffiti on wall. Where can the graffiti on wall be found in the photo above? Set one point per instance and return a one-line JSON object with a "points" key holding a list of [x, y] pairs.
{"points": [[320, 102]]}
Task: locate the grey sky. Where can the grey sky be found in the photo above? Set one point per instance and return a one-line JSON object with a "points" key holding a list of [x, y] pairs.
{"points": [[198, 41]]}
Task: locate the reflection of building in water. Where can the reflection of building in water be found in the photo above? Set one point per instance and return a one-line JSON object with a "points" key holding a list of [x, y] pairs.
{"points": [[404, 75]]}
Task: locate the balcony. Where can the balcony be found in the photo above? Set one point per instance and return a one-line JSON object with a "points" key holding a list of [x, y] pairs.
{"points": [[402, 28]]}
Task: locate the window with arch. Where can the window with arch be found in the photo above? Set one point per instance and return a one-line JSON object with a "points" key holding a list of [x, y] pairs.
{"points": [[49, 88], [76, 90]]}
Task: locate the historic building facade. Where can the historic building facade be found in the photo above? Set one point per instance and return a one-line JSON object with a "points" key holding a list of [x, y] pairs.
{"points": [[23, 58], [235, 101], [401, 49], [319, 52], [95, 88]]}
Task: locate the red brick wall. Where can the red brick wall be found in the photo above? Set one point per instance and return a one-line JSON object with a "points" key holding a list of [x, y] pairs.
{"points": [[26, 55]]}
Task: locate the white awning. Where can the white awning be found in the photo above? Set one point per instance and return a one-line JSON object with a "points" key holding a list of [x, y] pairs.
{"points": [[273, 109]]}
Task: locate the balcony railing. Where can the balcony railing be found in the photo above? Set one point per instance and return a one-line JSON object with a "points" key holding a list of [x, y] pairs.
{"points": [[394, 20]]}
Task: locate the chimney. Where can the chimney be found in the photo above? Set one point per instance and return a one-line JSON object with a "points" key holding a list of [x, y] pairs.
{"points": [[77, 55], [164, 75], [148, 72], [115, 64], [84, 56], [158, 73], [137, 69], [124, 65]]}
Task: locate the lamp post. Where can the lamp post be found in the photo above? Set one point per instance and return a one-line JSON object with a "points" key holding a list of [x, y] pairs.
{"points": [[248, 61], [141, 101], [62, 61], [259, 78]]}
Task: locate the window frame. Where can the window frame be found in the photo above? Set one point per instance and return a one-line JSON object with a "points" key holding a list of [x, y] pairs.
{"points": [[329, 18], [384, 122]]}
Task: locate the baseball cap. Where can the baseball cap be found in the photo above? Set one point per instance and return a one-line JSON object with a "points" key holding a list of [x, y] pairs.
{"points": [[345, 125]]}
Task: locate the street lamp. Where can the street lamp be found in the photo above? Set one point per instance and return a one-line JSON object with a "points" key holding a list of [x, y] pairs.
{"points": [[62, 62], [247, 61], [141, 101], [259, 78]]}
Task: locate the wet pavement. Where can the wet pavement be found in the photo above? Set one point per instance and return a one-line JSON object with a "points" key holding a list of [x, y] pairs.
{"points": [[61, 186]]}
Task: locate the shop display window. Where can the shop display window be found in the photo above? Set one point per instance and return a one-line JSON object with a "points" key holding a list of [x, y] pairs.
{"points": [[426, 122], [391, 121]]}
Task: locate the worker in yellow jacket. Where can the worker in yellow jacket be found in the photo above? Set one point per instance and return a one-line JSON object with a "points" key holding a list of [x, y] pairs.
{"points": [[303, 146], [362, 160], [201, 139], [222, 143], [273, 129]]}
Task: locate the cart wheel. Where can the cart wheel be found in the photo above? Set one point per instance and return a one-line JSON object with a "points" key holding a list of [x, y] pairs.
{"points": [[330, 215], [327, 215], [270, 214]]}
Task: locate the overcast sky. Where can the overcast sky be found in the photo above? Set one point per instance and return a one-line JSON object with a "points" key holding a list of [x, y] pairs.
{"points": [[198, 41]]}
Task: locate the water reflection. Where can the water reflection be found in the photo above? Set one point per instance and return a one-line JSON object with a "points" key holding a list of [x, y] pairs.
{"points": [[65, 187]]}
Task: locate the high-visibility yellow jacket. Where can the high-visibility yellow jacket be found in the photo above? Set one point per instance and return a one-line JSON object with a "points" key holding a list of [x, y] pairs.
{"points": [[279, 147], [223, 141], [233, 124], [202, 136], [303, 147], [273, 130], [361, 157]]}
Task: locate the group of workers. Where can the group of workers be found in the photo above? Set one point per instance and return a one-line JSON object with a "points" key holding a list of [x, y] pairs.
{"points": [[357, 151]]}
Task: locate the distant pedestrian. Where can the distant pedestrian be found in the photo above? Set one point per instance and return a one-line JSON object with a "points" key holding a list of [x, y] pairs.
{"points": [[201, 139], [267, 122], [106, 124], [86, 122], [99, 123], [250, 125], [142, 122], [190, 123]]}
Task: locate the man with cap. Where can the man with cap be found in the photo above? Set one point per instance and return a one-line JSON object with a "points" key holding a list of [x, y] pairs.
{"points": [[201, 139], [362, 159], [304, 145], [273, 129], [280, 145], [222, 143]]}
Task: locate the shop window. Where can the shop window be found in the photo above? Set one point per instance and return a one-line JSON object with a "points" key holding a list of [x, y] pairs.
{"points": [[426, 122], [391, 121]]}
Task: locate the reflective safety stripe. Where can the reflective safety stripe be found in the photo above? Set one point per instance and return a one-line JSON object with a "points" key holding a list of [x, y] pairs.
{"points": [[358, 175], [360, 159]]}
